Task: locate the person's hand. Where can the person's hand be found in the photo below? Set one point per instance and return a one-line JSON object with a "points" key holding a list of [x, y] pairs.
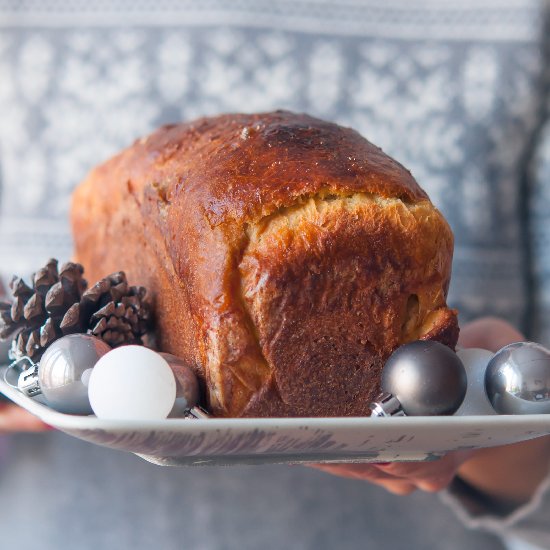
{"points": [[15, 419], [492, 471], [402, 478]]}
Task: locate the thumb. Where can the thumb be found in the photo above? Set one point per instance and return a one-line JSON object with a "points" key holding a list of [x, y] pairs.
{"points": [[489, 333]]}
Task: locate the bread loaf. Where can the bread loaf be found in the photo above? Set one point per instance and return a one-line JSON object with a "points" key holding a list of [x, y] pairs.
{"points": [[287, 257]]}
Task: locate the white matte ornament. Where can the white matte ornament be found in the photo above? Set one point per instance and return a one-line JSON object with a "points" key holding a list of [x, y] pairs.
{"points": [[475, 361], [132, 383]]}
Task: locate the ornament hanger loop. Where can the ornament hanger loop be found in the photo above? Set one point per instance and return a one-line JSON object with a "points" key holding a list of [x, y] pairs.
{"points": [[17, 364]]}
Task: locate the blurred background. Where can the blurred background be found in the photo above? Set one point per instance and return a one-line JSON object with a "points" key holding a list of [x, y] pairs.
{"points": [[456, 91]]}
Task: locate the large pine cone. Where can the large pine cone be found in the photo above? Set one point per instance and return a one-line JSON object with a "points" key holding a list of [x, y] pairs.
{"points": [[59, 304]]}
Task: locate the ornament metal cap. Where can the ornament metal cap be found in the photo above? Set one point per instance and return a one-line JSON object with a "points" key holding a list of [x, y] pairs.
{"points": [[197, 413], [386, 405], [28, 381]]}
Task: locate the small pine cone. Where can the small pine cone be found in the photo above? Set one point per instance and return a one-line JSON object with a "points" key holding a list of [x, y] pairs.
{"points": [[122, 312], [58, 304], [36, 311]]}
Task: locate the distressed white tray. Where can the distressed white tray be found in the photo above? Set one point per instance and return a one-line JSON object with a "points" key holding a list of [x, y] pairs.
{"points": [[180, 442]]}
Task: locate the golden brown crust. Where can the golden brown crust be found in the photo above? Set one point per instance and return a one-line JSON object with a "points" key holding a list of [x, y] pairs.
{"points": [[287, 256]]}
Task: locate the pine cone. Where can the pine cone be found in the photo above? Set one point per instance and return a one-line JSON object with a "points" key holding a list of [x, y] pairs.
{"points": [[118, 314], [59, 304]]}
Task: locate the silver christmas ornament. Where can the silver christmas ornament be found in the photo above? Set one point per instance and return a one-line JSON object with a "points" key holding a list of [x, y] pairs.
{"points": [[63, 372], [517, 379], [422, 378], [198, 413], [187, 385], [475, 361]]}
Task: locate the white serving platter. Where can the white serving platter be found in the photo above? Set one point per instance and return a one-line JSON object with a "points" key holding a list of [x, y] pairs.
{"points": [[181, 442]]}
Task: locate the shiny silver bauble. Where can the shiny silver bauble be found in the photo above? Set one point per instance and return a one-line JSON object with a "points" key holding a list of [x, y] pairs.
{"points": [[517, 379], [64, 370], [187, 385], [426, 377]]}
